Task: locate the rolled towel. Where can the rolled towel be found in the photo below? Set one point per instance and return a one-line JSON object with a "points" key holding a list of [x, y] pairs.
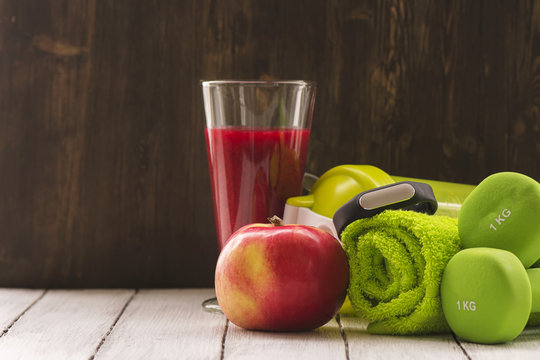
{"points": [[397, 259]]}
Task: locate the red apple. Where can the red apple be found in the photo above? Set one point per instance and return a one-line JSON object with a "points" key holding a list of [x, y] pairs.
{"points": [[281, 278]]}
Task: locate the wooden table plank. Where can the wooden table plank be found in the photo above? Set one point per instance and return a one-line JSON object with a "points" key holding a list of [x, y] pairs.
{"points": [[64, 324], [13, 303], [323, 343], [526, 346], [170, 324], [166, 324], [363, 345]]}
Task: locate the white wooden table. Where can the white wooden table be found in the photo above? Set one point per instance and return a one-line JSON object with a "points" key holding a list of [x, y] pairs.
{"points": [[170, 324]]}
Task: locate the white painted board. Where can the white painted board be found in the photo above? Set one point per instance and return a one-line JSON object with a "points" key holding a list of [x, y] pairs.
{"points": [[363, 345], [322, 343], [525, 347], [166, 324], [170, 324], [14, 302], [64, 324]]}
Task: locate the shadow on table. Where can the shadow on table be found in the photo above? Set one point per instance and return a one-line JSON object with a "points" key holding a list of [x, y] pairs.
{"points": [[528, 341], [356, 328]]}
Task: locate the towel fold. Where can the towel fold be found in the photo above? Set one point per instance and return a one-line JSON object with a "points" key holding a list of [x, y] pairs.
{"points": [[397, 259]]}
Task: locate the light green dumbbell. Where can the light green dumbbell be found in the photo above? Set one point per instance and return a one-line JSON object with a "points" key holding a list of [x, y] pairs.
{"points": [[487, 295], [502, 212]]}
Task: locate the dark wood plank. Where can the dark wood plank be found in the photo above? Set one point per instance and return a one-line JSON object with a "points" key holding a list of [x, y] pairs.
{"points": [[103, 173]]}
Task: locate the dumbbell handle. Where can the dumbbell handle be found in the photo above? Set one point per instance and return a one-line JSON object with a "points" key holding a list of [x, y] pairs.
{"points": [[534, 278]]}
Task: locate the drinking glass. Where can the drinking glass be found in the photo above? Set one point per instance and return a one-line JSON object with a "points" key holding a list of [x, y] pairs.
{"points": [[257, 135]]}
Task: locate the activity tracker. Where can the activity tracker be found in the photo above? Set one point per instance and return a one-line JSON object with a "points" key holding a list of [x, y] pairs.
{"points": [[405, 195]]}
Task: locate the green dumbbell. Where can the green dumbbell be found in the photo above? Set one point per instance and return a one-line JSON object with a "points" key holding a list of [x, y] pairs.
{"points": [[487, 295], [502, 212]]}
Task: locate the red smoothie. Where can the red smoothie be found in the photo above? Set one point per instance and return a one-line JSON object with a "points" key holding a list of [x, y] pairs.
{"points": [[252, 173]]}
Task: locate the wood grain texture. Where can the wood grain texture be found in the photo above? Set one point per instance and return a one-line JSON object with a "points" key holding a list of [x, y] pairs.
{"points": [[322, 343], [170, 324], [14, 303], [166, 324], [64, 325], [103, 173], [363, 345], [524, 347]]}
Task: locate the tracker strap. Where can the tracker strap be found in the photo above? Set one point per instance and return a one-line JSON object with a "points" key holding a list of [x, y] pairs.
{"points": [[405, 195]]}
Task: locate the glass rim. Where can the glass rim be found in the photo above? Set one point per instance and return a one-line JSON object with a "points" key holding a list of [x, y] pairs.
{"points": [[209, 83]]}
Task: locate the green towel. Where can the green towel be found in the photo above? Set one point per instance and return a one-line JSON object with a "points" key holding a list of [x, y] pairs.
{"points": [[397, 259]]}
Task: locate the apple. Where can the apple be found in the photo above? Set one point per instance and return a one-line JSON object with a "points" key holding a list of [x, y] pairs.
{"points": [[281, 277]]}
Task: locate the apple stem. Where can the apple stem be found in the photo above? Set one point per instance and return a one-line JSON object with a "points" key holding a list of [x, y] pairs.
{"points": [[275, 220]]}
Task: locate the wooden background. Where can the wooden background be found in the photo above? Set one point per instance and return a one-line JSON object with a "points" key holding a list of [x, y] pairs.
{"points": [[103, 173]]}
